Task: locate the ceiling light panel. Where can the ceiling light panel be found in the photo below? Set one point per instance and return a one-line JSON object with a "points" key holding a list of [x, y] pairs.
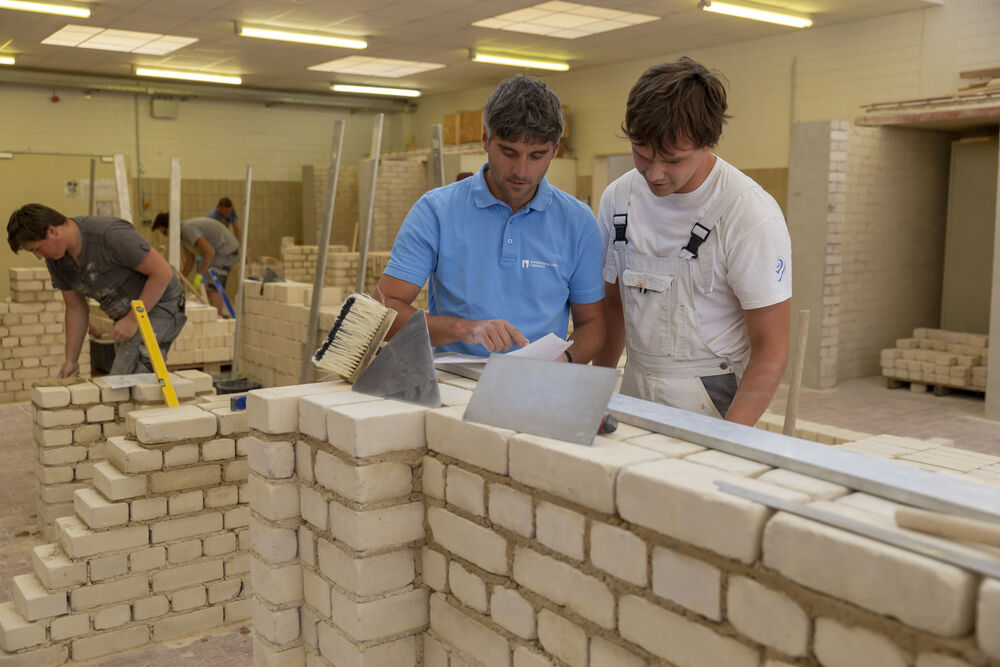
{"points": [[78, 11], [188, 76], [126, 41], [369, 66], [374, 90], [6, 60], [300, 37], [566, 20]]}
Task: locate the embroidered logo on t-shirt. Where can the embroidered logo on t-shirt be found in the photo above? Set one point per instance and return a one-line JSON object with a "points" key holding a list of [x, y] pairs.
{"points": [[780, 269], [537, 264]]}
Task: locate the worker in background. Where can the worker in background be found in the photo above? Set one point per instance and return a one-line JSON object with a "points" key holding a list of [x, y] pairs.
{"points": [[210, 240], [508, 255], [226, 214], [697, 257], [104, 259]]}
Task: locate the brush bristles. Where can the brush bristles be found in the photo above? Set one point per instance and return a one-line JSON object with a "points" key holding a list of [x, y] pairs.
{"points": [[352, 336]]}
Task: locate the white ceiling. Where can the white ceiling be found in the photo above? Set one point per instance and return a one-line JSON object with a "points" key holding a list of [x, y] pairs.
{"points": [[437, 31]]}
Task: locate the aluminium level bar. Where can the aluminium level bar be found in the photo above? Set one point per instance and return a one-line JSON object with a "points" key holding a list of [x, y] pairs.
{"points": [[919, 488], [366, 228], [436, 162], [234, 369]]}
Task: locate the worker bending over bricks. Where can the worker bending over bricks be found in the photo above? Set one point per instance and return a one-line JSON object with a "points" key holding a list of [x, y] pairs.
{"points": [[215, 245], [107, 260], [697, 257]]}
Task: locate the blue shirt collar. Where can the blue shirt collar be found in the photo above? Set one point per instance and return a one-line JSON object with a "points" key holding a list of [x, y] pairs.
{"points": [[484, 198]]}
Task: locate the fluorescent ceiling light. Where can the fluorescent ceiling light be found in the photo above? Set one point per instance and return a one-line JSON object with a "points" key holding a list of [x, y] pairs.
{"points": [[368, 66], [125, 41], [46, 8], [518, 62], [187, 76], [300, 37], [567, 20], [747, 10], [374, 90], [6, 60]]}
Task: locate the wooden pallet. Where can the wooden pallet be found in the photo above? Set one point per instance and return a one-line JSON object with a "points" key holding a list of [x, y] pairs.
{"points": [[938, 389]]}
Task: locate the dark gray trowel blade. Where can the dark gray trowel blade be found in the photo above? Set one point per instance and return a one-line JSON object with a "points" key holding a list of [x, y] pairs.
{"points": [[404, 368], [556, 400]]}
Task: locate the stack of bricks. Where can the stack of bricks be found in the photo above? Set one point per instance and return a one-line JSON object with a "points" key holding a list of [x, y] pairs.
{"points": [[156, 549], [205, 339], [940, 358], [531, 551], [32, 337], [73, 419], [273, 329]]}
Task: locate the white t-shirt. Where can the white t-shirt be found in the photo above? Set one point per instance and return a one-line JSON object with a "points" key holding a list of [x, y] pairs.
{"points": [[753, 267]]}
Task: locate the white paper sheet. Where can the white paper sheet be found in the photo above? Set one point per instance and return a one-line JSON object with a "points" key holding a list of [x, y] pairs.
{"points": [[547, 348], [121, 381]]}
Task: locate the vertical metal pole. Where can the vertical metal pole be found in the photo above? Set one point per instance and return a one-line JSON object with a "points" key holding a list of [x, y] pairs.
{"points": [[324, 246], [93, 185], [121, 187], [795, 382], [366, 230], [174, 247], [437, 156], [243, 266]]}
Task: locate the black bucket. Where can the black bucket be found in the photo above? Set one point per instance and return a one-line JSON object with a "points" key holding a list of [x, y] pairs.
{"points": [[235, 385]]}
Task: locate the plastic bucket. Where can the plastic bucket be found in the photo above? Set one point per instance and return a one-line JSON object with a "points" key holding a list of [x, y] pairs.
{"points": [[235, 385]]}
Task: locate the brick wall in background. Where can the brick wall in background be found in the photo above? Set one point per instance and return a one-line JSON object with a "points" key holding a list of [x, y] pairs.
{"points": [[401, 182], [32, 334], [345, 206]]}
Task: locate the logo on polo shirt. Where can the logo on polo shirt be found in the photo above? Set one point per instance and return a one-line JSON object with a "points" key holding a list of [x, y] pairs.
{"points": [[537, 264]]}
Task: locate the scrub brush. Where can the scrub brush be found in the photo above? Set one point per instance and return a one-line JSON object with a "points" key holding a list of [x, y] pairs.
{"points": [[359, 329]]}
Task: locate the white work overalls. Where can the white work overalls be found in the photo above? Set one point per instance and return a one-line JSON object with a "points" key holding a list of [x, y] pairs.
{"points": [[669, 360]]}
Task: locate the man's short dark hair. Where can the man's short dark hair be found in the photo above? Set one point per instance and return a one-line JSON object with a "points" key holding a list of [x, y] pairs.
{"points": [[675, 101], [523, 109], [161, 221], [31, 222], [225, 202]]}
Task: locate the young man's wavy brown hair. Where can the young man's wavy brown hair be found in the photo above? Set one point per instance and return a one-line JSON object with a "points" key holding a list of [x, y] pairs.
{"points": [[675, 101]]}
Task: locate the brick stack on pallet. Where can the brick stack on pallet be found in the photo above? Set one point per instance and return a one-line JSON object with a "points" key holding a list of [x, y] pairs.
{"points": [[300, 263], [156, 548], [74, 418], [32, 337], [206, 338], [945, 359]]}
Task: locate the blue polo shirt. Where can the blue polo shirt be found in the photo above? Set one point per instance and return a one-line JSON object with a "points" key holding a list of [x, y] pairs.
{"points": [[486, 262]]}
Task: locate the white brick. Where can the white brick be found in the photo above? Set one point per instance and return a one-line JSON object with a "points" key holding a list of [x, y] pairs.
{"points": [[512, 510], [605, 654], [175, 578], [148, 559], [112, 617], [275, 410], [279, 626], [476, 444], [34, 600], [565, 585], [106, 643], [513, 612], [101, 413], [879, 577], [988, 618], [220, 591], [55, 568], [50, 397], [681, 500], [219, 449], [78, 541], [366, 483], [304, 461], [207, 474], [185, 503], [278, 585], [378, 528], [817, 489], [687, 581], [369, 429], [181, 423], [432, 477], [677, 639], [365, 576], [314, 507], [767, 616], [938, 660], [838, 646], [182, 552], [435, 654], [221, 496], [341, 651], [178, 529], [144, 509], [15, 632], [274, 500], [562, 638], [232, 422], [457, 629], [524, 657], [131, 457], [109, 567], [312, 409], [273, 543], [434, 569], [467, 587], [618, 552], [185, 624], [116, 486], [180, 455], [316, 592], [379, 618], [560, 529], [270, 459], [466, 490], [65, 627], [51, 418], [99, 595], [736, 465], [150, 607], [585, 475], [468, 540]]}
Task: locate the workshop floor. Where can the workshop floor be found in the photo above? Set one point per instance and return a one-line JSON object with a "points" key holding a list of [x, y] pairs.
{"points": [[864, 405]]}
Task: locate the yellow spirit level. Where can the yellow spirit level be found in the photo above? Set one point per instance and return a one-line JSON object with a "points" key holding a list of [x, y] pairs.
{"points": [[149, 338]]}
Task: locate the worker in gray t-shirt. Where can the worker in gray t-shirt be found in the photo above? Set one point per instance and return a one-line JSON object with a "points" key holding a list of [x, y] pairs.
{"points": [[104, 259], [216, 245]]}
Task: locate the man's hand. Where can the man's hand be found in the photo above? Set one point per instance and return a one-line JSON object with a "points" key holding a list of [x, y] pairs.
{"points": [[494, 335], [69, 369], [124, 328]]}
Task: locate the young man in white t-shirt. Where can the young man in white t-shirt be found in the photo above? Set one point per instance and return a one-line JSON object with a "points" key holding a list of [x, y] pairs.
{"points": [[697, 267]]}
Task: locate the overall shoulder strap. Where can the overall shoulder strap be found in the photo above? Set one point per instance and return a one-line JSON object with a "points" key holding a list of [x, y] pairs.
{"points": [[619, 217], [720, 206]]}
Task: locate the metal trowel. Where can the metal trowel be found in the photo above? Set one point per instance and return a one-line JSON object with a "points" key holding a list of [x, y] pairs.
{"points": [[404, 368]]}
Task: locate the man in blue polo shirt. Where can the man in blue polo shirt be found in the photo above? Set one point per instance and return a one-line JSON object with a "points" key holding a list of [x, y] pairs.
{"points": [[509, 256]]}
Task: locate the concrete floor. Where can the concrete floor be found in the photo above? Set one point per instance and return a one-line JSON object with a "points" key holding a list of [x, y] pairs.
{"points": [[863, 405]]}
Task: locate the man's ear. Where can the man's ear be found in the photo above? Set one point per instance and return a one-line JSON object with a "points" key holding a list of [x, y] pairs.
{"points": [[485, 141], [52, 232]]}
